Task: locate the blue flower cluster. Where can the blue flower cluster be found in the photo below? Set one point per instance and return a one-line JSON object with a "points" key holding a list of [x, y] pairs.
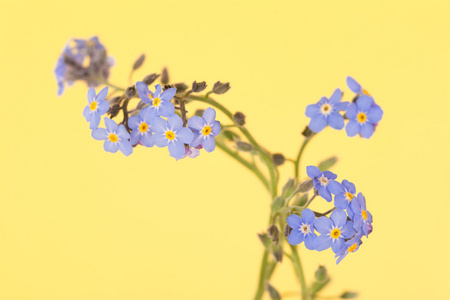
{"points": [[84, 60], [363, 113], [342, 231], [157, 124]]}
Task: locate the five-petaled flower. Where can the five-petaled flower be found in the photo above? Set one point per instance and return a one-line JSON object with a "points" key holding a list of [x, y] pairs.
{"points": [[160, 104], [97, 106], [172, 134], [326, 112], [362, 218], [344, 193], [321, 181], [116, 137], [334, 231], [205, 129], [363, 117], [351, 245], [141, 129], [302, 229]]}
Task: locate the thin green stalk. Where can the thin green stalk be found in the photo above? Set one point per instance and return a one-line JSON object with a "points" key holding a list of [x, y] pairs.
{"points": [[262, 276], [299, 271], [299, 155]]}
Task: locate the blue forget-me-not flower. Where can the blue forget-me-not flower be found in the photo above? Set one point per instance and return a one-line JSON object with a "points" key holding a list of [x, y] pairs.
{"points": [[116, 137], [302, 229], [205, 129], [97, 106], [334, 231]]}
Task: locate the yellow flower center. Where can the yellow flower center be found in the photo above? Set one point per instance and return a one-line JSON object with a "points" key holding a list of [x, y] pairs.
{"points": [[156, 102], [348, 196], [143, 127], [362, 117], [364, 214], [326, 109], [335, 233], [352, 248], [365, 92], [113, 138], [170, 135], [93, 105], [206, 130]]}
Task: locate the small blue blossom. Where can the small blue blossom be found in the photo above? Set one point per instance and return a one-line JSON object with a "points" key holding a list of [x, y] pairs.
{"points": [[172, 134], [344, 193], [160, 104], [205, 129], [141, 128], [355, 87], [97, 106], [362, 218], [302, 229], [116, 137], [363, 117], [351, 245], [321, 181], [334, 231], [326, 112]]}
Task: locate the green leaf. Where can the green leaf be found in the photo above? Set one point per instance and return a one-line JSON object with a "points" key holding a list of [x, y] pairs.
{"points": [[301, 200], [230, 135], [349, 295], [277, 203], [328, 163]]}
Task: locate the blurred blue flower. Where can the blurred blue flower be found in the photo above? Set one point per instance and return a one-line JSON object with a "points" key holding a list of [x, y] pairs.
{"points": [[344, 193], [141, 129], [351, 245], [172, 134], [116, 137], [97, 106], [362, 218], [326, 112], [363, 117], [321, 181], [334, 231], [302, 229], [160, 104], [205, 129]]}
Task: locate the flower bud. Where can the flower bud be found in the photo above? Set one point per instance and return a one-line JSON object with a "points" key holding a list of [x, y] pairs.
{"points": [[138, 63], [278, 159], [289, 188], [199, 112], [114, 110], [321, 273], [221, 88], [165, 76], [349, 295], [149, 79], [307, 132], [243, 146], [274, 234], [239, 118], [181, 87], [130, 92], [277, 254], [198, 87], [287, 230], [273, 293], [306, 186]]}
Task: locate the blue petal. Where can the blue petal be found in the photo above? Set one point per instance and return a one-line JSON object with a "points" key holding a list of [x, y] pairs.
{"points": [[196, 123], [339, 218], [158, 125], [335, 187], [125, 147], [322, 242], [102, 94], [294, 222], [329, 175], [353, 85], [309, 240], [325, 194], [134, 122], [99, 134], [364, 102], [209, 143], [352, 128], [338, 245], [168, 94], [318, 123], [336, 121], [122, 133], [375, 114], [352, 111], [198, 138], [313, 172], [160, 140], [87, 113], [308, 216], [341, 256], [103, 107], [323, 225], [110, 147], [209, 115], [166, 109], [340, 201], [295, 237], [215, 128], [157, 90], [176, 149], [111, 126], [341, 106], [135, 136], [95, 120], [348, 231], [175, 122], [367, 130], [312, 110], [184, 135], [350, 187], [336, 97], [143, 91], [147, 140], [91, 95]]}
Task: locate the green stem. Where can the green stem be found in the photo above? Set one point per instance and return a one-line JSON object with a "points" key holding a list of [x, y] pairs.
{"points": [[299, 155], [245, 163], [262, 276], [299, 271]]}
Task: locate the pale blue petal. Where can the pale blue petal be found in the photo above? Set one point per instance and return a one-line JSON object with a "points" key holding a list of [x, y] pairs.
{"points": [[375, 114], [134, 122], [122, 133], [91, 95], [339, 218], [147, 140], [166, 109], [125, 147], [353, 85], [352, 128], [160, 140], [198, 138], [335, 187], [87, 113], [312, 110], [184, 135], [135, 136], [99, 134], [176, 149], [103, 107], [196, 123], [110, 147], [352, 111], [175, 122], [340, 201], [325, 194], [294, 221], [313, 172], [308, 216], [322, 242], [102, 94], [157, 90], [309, 240], [367, 130], [338, 245], [209, 143], [295, 237], [317, 123], [158, 125], [168, 94], [348, 231], [336, 121], [349, 186], [215, 128], [329, 175], [336, 97], [323, 225], [111, 126], [209, 115], [341, 106], [364, 102], [95, 120], [143, 91]]}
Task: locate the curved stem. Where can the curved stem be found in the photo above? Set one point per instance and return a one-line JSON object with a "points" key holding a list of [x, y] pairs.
{"points": [[299, 155], [262, 276], [299, 271]]}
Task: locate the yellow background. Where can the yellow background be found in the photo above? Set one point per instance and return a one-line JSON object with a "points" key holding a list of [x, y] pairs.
{"points": [[79, 223]]}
